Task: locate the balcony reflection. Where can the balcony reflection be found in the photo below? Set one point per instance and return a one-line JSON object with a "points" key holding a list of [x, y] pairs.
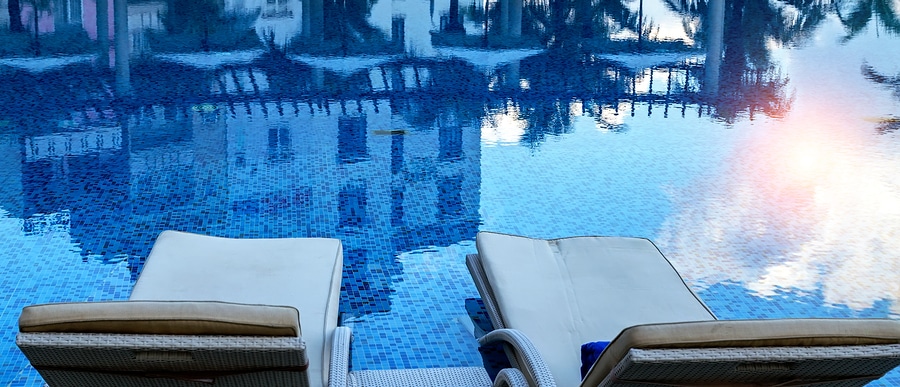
{"points": [[248, 47]]}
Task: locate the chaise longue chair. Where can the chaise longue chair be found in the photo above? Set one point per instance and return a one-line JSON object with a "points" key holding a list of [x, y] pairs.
{"points": [[209, 311], [564, 293]]}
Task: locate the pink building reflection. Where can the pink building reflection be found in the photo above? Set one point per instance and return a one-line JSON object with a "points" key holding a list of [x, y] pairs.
{"points": [[83, 13], [89, 18]]}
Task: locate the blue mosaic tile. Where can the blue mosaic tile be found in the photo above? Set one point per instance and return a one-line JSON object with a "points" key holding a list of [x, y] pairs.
{"points": [[768, 180]]}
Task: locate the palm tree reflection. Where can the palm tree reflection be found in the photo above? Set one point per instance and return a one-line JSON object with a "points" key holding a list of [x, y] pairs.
{"points": [[750, 81], [14, 8], [889, 124], [203, 25], [344, 28], [579, 22], [856, 15]]}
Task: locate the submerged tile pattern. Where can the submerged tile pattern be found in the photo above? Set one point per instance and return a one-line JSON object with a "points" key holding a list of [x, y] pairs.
{"points": [[398, 205]]}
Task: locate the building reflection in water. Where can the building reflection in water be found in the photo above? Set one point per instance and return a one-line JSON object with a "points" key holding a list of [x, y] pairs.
{"points": [[205, 121]]}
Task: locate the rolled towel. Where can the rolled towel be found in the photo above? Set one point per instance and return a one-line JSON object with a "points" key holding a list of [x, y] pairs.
{"points": [[589, 354]]}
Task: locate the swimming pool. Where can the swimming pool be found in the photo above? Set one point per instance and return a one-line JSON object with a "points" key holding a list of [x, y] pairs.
{"points": [[768, 177]]}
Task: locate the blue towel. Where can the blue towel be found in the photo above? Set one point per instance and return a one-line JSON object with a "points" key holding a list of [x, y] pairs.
{"points": [[589, 354]]}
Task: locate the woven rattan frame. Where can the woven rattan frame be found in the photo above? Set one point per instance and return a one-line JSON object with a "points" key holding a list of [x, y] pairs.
{"points": [[96, 359], [831, 366]]}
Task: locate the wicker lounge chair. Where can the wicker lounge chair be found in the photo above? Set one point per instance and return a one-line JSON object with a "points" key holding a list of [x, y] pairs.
{"points": [[223, 312], [566, 292]]}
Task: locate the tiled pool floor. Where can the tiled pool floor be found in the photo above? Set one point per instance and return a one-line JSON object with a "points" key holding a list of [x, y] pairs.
{"points": [[774, 193]]}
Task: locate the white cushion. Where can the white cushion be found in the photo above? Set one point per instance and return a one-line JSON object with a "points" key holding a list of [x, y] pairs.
{"points": [[563, 293], [304, 273], [162, 317]]}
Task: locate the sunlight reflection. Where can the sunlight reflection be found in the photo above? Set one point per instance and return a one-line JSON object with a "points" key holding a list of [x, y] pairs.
{"points": [[576, 108], [643, 82], [805, 159], [524, 84], [503, 127], [603, 118], [811, 217], [611, 119]]}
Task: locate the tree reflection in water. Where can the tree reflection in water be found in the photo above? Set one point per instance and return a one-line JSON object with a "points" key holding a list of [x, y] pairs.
{"points": [[580, 38], [203, 25], [857, 15], [889, 124]]}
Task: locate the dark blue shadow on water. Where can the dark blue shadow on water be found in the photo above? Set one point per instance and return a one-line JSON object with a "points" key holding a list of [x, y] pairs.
{"points": [[493, 355]]}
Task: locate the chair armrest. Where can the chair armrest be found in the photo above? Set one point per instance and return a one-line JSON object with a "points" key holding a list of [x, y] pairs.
{"points": [[533, 366], [339, 368], [510, 377]]}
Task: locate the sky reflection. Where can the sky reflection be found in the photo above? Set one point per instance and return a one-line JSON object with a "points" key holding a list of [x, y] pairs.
{"points": [[797, 213], [807, 202]]}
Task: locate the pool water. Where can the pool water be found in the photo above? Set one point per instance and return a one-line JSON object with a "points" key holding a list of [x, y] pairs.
{"points": [[755, 143]]}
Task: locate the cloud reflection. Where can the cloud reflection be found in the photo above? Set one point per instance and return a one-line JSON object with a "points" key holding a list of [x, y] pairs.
{"points": [[807, 211]]}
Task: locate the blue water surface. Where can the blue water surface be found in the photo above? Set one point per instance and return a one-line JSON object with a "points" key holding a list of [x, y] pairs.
{"points": [[755, 143]]}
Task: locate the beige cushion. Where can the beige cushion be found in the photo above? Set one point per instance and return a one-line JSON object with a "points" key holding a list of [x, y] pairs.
{"points": [[160, 317], [744, 333], [563, 293], [304, 273]]}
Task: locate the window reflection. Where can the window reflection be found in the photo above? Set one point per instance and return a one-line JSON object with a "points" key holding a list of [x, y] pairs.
{"points": [[352, 208], [352, 146]]}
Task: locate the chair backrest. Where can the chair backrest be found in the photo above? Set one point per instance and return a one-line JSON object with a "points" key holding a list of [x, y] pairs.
{"points": [[138, 343], [565, 292]]}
